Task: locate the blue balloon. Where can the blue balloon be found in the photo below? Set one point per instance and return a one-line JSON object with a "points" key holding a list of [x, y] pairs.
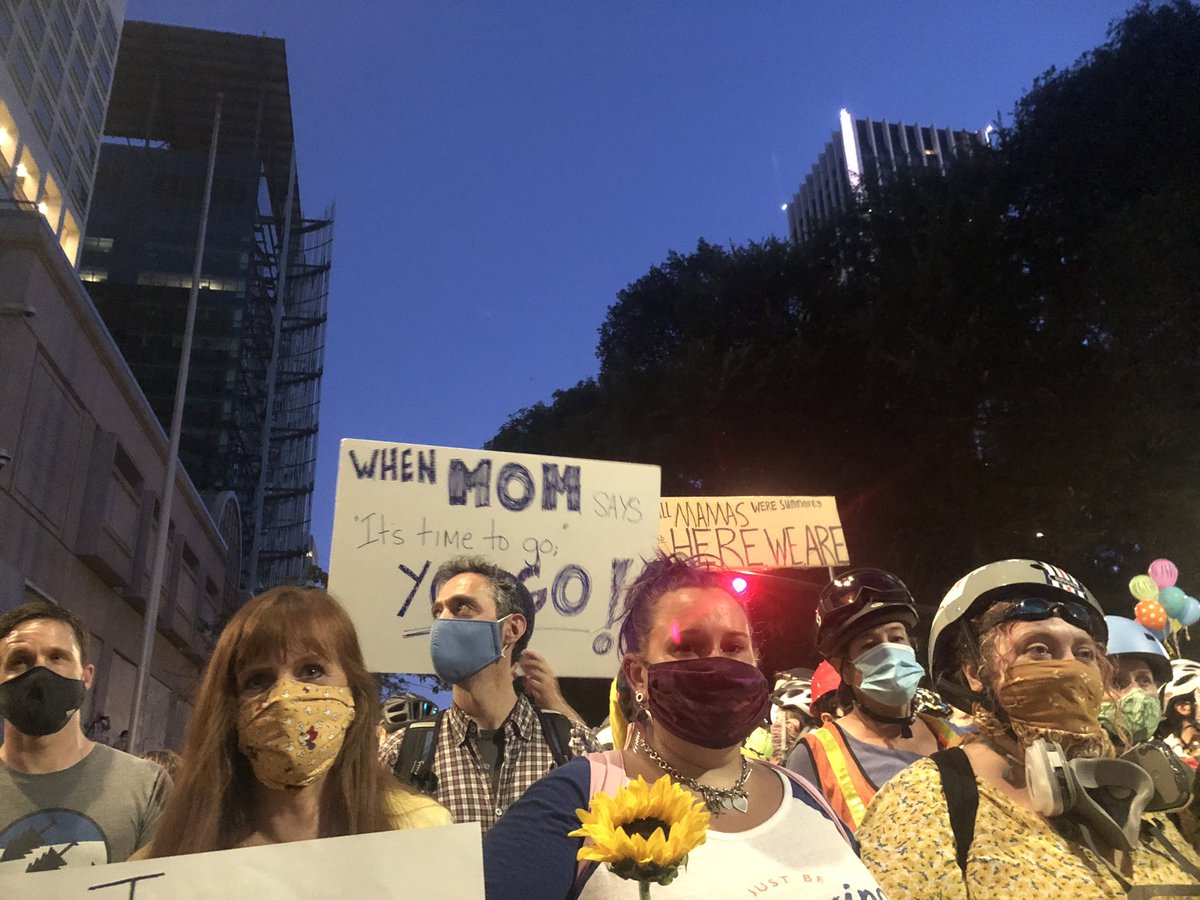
{"points": [[1190, 614], [1172, 600]]}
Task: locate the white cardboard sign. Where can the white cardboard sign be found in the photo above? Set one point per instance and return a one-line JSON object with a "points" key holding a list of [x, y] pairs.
{"points": [[575, 531], [751, 532], [435, 863]]}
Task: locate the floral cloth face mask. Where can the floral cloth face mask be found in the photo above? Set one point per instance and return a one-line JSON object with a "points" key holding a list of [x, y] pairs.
{"points": [[292, 734]]}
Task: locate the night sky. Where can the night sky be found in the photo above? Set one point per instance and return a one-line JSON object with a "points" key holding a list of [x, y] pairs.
{"points": [[501, 170]]}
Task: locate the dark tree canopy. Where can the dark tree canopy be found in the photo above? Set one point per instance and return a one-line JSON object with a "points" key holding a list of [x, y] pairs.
{"points": [[964, 361]]}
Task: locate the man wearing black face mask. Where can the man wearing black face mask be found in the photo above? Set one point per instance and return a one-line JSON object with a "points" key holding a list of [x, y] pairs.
{"points": [[64, 799]]}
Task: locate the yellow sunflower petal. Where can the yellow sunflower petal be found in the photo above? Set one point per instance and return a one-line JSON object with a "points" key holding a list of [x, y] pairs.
{"points": [[684, 818]]}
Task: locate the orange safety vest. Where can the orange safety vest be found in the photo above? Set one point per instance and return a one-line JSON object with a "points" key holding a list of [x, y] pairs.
{"points": [[843, 780]]}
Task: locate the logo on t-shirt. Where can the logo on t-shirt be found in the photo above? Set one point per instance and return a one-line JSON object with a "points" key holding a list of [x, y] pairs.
{"points": [[51, 839]]}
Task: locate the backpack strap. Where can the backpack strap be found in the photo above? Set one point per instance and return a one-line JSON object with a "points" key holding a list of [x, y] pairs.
{"points": [[962, 798], [607, 770], [556, 729], [819, 800], [1155, 827], [414, 760]]}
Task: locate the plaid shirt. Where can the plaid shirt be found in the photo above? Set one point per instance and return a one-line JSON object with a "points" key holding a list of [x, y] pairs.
{"points": [[464, 783]]}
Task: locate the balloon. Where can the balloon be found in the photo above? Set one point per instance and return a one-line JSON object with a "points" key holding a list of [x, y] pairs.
{"points": [[1172, 600], [1151, 614], [1143, 587], [1164, 573], [1191, 612]]}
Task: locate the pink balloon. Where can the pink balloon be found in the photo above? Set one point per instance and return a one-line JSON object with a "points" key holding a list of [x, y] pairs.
{"points": [[1163, 572]]}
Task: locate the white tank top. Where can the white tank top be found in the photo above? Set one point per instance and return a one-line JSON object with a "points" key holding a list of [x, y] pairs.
{"points": [[795, 853]]}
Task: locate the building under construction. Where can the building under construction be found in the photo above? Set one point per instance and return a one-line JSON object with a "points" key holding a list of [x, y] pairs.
{"points": [[251, 413]]}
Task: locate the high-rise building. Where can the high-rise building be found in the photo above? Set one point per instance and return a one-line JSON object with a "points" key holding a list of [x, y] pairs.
{"points": [[56, 67], [250, 418], [863, 148]]}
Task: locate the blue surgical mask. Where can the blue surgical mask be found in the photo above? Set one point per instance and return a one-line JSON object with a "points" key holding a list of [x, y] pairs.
{"points": [[461, 647], [890, 673]]}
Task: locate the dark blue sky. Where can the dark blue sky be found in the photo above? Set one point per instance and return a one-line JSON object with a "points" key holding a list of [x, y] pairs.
{"points": [[501, 170]]}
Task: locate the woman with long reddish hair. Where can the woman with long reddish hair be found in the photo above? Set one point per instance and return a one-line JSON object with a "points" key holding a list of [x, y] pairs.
{"points": [[282, 745]]}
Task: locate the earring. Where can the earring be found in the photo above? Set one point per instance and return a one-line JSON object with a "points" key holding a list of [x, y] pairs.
{"points": [[642, 714]]}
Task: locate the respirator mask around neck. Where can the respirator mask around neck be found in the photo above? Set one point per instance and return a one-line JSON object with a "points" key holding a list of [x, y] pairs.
{"points": [[1106, 796]]}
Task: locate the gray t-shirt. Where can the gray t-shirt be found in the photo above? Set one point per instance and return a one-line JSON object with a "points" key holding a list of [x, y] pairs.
{"points": [[879, 764], [98, 811]]}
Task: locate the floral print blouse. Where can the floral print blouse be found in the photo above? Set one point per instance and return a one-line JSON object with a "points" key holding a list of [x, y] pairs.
{"points": [[907, 844]]}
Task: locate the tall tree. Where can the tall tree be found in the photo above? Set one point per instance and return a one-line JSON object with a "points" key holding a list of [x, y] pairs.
{"points": [[967, 362]]}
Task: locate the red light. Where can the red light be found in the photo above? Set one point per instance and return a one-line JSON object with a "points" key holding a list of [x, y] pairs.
{"points": [[739, 584]]}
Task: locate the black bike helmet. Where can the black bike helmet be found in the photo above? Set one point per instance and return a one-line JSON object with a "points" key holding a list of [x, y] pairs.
{"points": [[858, 600]]}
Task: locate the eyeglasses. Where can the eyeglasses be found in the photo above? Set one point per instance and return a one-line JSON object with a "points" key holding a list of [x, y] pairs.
{"points": [[1035, 609]]}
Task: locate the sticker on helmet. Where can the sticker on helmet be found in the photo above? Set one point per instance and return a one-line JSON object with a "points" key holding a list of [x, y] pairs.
{"points": [[1056, 577], [955, 592]]}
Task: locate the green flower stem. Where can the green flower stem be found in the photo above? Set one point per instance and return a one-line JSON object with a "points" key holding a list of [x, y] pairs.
{"points": [[643, 890]]}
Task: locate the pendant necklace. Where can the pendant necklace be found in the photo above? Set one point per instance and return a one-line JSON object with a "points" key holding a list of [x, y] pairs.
{"points": [[716, 799]]}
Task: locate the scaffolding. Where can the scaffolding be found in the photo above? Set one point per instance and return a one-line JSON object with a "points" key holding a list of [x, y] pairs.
{"points": [[292, 454], [164, 92]]}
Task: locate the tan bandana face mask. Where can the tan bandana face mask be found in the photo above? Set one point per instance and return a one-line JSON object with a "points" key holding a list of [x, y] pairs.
{"points": [[293, 733], [1055, 694]]}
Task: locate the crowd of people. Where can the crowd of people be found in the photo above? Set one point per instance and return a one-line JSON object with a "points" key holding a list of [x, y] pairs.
{"points": [[1045, 749]]}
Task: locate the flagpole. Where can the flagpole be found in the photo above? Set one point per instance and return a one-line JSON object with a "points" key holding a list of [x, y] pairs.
{"points": [[150, 623]]}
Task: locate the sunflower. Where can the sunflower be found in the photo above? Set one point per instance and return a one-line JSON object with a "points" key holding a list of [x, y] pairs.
{"points": [[644, 832]]}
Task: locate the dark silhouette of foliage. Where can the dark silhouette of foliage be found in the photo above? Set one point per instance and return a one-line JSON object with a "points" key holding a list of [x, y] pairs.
{"points": [[964, 361]]}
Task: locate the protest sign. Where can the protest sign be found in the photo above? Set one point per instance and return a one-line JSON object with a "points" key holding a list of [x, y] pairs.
{"points": [[751, 532], [574, 531], [444, 862]]}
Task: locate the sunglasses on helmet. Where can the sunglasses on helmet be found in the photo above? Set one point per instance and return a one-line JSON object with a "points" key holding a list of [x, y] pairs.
{"points": [[1035, 609]]}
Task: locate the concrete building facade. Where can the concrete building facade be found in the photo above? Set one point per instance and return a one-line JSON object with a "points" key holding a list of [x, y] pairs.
{"points": [[79, 495]]}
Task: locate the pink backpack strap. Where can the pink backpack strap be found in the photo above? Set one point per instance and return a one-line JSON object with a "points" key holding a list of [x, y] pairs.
{"points": [[819, 798], [608, 775]]}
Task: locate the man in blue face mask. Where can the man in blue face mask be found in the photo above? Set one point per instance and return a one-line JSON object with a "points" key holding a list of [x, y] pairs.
{"points": [[480, 755], [864, 630]]}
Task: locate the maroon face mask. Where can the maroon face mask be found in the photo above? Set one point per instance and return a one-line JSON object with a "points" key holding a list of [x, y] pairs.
{"points": [[713, 702]]}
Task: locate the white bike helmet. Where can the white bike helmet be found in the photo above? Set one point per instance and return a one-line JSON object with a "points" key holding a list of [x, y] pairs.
{"points": [[405, 708], [794, 692], [975, 592], [1185, 679]]}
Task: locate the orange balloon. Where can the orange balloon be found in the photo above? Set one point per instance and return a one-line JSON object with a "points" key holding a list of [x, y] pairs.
{"points": [[1151, 614]]}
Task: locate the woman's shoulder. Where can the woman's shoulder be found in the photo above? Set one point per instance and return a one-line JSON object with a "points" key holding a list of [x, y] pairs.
{"points": [[413, 810], [921, 776], [917, 787]]}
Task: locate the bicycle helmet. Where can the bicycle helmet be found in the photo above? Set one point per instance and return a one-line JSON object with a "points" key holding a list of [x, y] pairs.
{"points": [[858, 600], [975, 592], [824, 680], [405, 708], [794, 691], [1129, 638], [1185, 679]]}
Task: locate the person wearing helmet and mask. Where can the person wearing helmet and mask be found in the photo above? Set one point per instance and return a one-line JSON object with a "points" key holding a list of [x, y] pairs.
{"points": [[1140, 665], [864, 630], [1178, 728], [1032, 804], [791, 703]]}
